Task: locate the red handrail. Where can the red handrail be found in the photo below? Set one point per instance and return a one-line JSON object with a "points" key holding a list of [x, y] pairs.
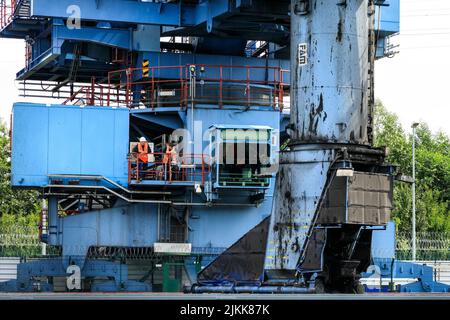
{"points": [[93, 94], [122, 91], [162, 169], [6, 12], [123, 80]]}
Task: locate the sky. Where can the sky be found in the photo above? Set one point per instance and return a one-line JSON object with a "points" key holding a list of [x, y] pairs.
{"points": [[415, 83]]}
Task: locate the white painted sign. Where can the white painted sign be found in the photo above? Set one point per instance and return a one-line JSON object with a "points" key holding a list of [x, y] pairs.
{"points": [[167, 93], [302, 54], [74, 280], [173, 248]]}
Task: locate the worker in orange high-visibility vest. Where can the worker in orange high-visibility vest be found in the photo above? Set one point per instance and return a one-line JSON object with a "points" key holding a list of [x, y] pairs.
{"points": [[142, 157], [166, 161]]}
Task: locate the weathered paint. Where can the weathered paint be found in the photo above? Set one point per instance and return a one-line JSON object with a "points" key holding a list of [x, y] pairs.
{"points": [[329, 100], [329, 94], [300, 184]]}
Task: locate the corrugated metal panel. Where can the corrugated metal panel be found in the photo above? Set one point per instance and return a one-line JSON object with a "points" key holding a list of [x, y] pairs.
{"points": [[441, 270], [364, 198], [8, 268]]}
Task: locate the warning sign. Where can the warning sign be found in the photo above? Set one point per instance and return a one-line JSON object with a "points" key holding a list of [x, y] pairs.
{"points": [[302, 54], [145, 68]]}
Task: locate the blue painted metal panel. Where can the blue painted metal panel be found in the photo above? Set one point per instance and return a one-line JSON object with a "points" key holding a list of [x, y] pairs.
{"points": [[68, 140], [113, 10], [168, 121], [112, 37], [167, 14], [121, 145], [136, 226], [206, 118], [64, 143], [390, 17], [100, 146], [125, 225], [170, 14], [383, 242], [29, 145], [221, 226], [158, 59]]}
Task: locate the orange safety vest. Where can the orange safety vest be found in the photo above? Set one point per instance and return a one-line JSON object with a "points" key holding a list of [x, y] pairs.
{"points": [[143, 152], [167, 155]]}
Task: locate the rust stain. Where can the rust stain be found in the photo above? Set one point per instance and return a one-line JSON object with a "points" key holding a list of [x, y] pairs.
{"points": [[339, 32]]}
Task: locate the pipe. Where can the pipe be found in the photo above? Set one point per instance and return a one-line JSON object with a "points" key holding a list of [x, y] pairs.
{"points": [[413, 222], [330, 72], [53, 221], [151, 201], [93, 177], [251, 289]]}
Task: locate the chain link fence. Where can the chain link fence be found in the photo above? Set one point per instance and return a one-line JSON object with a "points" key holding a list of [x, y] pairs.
{"points": [[19, 241], [429, 246]]}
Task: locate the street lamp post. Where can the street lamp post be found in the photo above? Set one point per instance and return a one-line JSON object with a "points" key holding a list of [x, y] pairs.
{"points": [[413, 235]]}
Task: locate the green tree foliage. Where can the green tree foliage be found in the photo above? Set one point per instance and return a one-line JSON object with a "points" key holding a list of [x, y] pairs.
{"points": [[432, 172], [18, 208]]}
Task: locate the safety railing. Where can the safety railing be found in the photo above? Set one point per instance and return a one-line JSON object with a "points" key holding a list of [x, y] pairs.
{"points": [[88, 95], [6, 12], [28, 53], [166, 167], [200, 84], [242, 180]]}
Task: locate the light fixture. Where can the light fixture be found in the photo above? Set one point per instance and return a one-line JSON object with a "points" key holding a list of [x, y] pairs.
{"points": [[344, 172]]}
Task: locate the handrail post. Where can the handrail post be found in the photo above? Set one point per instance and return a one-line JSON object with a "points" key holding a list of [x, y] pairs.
{"points": [[221, 87], [101, 96], [153, 90], [275, 90], [137, 169], [281, 93], [127, 87], [181, 87], [92, 98], [129, 168], [203, 170], [248, 86], [108, 99]]}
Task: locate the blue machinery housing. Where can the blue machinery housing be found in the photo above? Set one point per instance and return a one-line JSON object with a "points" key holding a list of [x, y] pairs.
{"points": [[213, 87]]}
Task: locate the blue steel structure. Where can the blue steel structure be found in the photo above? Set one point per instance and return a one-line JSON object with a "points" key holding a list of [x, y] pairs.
{"points": [[210, 78], [386, 266]]}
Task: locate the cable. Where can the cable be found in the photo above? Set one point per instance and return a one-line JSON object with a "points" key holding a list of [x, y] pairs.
{"points": [[425, 47], [424, 15], [424, 34]]}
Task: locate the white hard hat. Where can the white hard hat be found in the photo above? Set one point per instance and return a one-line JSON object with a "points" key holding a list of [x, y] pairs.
{"points": [[142, 139]]}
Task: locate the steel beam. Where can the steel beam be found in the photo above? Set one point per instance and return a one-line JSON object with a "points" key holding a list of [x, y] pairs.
{"points": [[120, 38], [136, 12]]}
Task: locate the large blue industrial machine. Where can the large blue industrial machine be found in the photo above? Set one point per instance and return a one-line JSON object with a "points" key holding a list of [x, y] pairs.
{"points": [[257, 120]]}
